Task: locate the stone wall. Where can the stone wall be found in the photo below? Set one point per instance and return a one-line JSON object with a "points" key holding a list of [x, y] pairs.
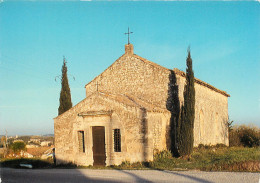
{"points": [[133, 122], [133, 75]]}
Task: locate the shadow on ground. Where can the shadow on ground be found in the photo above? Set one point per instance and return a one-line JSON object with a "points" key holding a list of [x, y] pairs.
{"points": [[43, 171], [139, 178]]}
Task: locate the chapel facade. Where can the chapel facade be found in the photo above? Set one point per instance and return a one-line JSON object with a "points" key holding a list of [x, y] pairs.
{"points": [[127, 112]]}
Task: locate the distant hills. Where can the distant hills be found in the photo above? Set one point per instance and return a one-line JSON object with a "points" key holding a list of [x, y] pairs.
{"points": [[45, 135], [48, 135]]}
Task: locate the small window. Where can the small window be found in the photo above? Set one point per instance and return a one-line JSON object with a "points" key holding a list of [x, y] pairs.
{"points": [[117, 140], [81, 141]]}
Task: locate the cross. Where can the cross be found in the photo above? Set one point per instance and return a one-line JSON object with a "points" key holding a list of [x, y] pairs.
{"points": [[97, 85], [128, 35]]}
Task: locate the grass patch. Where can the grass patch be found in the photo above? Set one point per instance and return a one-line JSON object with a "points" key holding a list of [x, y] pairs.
{"points": [[207, 159]]}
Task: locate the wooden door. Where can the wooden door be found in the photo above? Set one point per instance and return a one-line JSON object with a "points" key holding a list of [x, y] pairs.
{"points": [[99, 153]]}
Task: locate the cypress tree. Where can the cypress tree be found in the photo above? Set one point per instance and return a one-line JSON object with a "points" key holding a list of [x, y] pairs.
{"points": [[187, 114], [65, 97]]}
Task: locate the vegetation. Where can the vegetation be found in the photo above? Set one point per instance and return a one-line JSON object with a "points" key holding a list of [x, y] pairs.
{"points": [[16, 147], [65, 97], [3, 141], [185, 137], [204, 158], [229, 125], [247, 136]]}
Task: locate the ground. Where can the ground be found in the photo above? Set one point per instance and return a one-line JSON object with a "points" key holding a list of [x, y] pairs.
{"points": [[9, 175]]}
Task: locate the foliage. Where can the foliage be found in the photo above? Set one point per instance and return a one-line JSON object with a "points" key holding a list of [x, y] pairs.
{"points": [[230, 126], [65, 96], [18, 146], [3, 141], [185, 137], [208, 158], [247, 136]]}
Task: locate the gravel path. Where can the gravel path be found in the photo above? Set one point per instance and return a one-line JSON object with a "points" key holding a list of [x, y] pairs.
{"points": [[9, 175]]}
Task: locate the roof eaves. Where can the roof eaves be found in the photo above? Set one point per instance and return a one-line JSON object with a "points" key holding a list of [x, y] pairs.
{"points": [[95, 113]]}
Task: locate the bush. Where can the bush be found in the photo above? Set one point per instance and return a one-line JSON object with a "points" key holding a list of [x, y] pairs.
{"points": [[247, 136], [202, 146], [18, 146], [220, 145], [163, 155]]}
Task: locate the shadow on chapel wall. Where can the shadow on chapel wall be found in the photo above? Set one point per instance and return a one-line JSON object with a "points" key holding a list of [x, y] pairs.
{"points": [[173, 105], [144, 133]]}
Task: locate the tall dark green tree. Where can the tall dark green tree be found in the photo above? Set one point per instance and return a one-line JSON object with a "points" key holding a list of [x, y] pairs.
{"points": [[187, 114], [65, 97]]}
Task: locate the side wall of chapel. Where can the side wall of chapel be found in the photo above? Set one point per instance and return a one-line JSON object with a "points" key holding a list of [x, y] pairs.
{"points": [[211, 114]]}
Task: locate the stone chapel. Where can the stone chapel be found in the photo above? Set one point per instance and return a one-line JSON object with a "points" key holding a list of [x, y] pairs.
{"points": [[127, 118]]}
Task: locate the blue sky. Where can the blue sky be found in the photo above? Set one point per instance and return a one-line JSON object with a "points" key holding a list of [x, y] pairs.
{"points": [[34, 36]]}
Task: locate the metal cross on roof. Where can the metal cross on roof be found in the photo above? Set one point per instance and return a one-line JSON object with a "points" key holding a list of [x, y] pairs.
{"points": [[129, 35]]}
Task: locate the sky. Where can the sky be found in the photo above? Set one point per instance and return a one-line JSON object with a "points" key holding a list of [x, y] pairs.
{"points": [[224, 38]]}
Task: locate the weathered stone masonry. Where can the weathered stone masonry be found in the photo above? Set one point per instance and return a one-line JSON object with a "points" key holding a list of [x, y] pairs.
{"points": [[132, 96]]}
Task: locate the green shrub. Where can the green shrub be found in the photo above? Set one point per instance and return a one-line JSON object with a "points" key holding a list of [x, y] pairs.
{"points": [[220, 145], [18, 146], [163, 154], [246, 136], [126, 164]]}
